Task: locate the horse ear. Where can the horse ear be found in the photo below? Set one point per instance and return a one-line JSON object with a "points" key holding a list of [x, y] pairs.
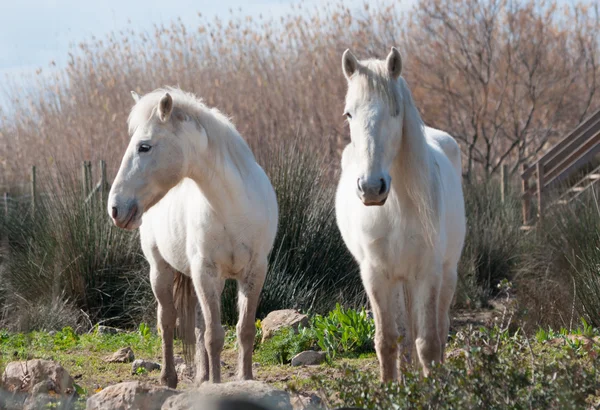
{"points": [[349, 63], [394, 63], [135, 96], [165, 107]]}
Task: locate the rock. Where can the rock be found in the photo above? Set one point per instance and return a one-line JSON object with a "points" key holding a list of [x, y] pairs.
{"points": [[130, 396], [208, 394], [43, 387], [107, 330], [308, 358], [279, 319], [306, 402], [144, 364], [123, 355], [27, 375], [184, 371]]}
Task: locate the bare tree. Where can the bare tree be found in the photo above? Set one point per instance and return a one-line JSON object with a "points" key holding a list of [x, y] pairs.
{"points": [[506, 78]]}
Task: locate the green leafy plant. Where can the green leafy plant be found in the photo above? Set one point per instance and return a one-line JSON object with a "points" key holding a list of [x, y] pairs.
{"points": [[144, 330], [66, 338], [344, 331], [284, 345]]}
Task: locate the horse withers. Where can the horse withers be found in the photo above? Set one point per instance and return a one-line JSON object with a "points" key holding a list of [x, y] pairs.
{"points": [[209, 214], [400, 209]]}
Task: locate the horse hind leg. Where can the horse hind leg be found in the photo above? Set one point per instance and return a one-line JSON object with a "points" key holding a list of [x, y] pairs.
{"points": [[447, 290], [201, 375], [381, 294], [209, 287], [248, 295]]}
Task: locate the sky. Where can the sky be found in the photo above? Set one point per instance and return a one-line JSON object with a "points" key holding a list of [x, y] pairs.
{"points": [[35, 32]]}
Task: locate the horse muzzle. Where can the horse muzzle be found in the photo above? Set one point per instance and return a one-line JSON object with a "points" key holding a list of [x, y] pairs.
{"points": [[126, 217], [373, 191]]}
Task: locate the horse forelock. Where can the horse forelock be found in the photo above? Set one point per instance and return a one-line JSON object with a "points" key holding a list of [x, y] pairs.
{"points": [[373, 78]]}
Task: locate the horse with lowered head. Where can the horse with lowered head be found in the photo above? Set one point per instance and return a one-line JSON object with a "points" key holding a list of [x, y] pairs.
{"points": [[209, 214], [400, 209]]}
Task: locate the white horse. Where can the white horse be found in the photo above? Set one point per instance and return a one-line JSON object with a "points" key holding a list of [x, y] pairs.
{"points": [[209, 214], [400, 210]]}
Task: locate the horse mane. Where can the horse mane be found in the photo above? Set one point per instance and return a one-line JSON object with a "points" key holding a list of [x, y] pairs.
{"points": [[415, 168], [223, 138]]}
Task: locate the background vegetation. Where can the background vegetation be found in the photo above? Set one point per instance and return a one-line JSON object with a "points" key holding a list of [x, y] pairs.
{"points": [[505, 78]]}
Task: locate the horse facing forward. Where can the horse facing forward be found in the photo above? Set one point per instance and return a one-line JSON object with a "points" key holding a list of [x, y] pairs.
{"points": [[209, 214], [400, 209]]}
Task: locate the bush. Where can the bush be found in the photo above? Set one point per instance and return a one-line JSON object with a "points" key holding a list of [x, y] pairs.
{"points": [[284, 345], [344, 331], [493, 243], [68, 266], [497, 370]]}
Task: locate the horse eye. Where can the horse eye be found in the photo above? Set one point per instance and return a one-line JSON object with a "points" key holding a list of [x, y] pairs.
{"points": [[347, 115], [144, 148]]}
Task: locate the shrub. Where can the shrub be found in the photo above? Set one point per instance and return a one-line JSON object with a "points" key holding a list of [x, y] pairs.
{"points": [[344, 331], [498, 370], [68, 266], [284, 345], [574, 237], [493, 243]]}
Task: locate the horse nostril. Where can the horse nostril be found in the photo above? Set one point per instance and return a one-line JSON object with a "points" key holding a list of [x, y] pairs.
{"points": [[115, 212], [359, 187], [382, 189]]}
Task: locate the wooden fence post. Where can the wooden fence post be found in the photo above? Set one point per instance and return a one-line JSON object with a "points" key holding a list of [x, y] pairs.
{"points": [[33, 190], [503, 182], [102, 182], [539, 169], [86, 178], [526, 197]]}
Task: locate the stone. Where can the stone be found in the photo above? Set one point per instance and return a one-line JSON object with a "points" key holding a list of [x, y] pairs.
{"points": [[307, 402], [107, 330], [144, 364], [280, 319], [123, 355], [131, 396], [308, 358], [28, 375], [184, 371], [253, 393]]}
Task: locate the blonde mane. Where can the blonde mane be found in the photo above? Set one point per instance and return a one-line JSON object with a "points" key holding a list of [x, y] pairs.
{"points": [[223, 138]]}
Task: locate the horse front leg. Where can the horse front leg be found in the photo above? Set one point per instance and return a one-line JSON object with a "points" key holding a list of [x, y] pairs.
{"points": [[161, 279], [209, 287], [381, 293], [425, 292], [405, 326], [248, 294]]}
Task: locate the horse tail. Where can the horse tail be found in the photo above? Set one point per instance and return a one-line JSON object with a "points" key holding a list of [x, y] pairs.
{"points": [[185, 299]]}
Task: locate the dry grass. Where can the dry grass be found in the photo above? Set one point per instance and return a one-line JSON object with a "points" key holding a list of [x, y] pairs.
{"points": [[282, 78]]}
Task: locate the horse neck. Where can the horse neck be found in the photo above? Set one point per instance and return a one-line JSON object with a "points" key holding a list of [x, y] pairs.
{"points": [[414, 180], [223, 167]]}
